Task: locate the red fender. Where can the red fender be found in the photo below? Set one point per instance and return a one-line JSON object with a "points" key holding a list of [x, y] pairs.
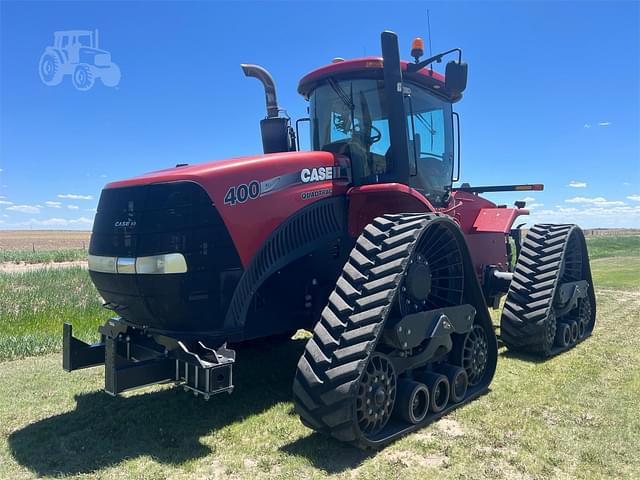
{"points": [[370, 201]]}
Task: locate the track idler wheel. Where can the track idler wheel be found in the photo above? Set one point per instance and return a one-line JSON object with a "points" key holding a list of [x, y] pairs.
{"points": [[475, 354], [582, 329], [438, 389], [563, 335], [458, 381], [584, 317], [412, 401], [376, 394]]}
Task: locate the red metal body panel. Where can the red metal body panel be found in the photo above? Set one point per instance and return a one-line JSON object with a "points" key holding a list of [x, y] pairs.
{"points": [[497, 219], [353, 65], [485, 227], [251, 222], [370, 201]]}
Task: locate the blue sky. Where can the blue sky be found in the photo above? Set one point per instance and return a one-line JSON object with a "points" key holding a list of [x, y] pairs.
{"points": [[553, 95]]}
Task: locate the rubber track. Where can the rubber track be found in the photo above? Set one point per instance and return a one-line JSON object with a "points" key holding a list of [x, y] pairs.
{"points": [[532, 290], [328, 372]]}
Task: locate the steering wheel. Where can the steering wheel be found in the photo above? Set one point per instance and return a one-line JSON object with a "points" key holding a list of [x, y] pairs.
{"points": [[367, 137], [378, 135]]}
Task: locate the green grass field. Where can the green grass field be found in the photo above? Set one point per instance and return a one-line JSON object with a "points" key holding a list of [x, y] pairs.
{"points": [[573, 416], [26, 256], [33, 306]]}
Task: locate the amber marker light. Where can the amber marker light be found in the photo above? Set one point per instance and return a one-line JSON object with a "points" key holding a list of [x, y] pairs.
{"points": [[417, 48]]}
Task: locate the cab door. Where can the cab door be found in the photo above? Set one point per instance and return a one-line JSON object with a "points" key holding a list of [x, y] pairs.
{"points": [[431, 156]]}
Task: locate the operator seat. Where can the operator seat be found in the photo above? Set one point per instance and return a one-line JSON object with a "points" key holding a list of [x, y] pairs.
{"points": [[356, 153]]}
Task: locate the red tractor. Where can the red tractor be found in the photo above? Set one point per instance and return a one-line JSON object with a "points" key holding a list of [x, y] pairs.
{"points": [[364, 241]]}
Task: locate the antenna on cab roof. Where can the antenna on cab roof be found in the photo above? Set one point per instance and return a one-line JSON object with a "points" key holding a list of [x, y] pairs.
{"points": [[430, 43], [429, 32]]}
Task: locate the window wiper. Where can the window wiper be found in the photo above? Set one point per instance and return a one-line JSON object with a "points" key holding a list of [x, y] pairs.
{"points": [[426, 124], [348, 101]]}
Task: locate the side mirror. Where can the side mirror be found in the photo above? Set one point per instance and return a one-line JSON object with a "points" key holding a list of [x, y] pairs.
{"points": [[456, 77]]}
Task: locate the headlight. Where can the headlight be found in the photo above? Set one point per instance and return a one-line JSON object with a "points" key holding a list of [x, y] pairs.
{"points": [[169, 263], [102, 264], [155, 264]]}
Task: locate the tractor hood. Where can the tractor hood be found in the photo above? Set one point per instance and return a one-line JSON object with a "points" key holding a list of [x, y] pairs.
{"points": [[255, 194]]}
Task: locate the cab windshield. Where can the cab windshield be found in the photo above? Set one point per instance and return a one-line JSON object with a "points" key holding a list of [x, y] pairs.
{"points": [[350, 117]]}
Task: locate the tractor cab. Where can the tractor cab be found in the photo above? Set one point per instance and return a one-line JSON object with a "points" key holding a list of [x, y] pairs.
{"points": [[403, 134]]}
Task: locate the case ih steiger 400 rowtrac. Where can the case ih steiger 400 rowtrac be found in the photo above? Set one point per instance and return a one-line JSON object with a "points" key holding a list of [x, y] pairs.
{"points": [[362, 240]]}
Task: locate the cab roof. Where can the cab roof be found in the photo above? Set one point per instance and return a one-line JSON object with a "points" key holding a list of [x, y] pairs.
{"points": [[370, 67]]}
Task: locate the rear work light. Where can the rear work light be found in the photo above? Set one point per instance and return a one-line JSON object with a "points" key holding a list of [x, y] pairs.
{"points": [[154, 264]]}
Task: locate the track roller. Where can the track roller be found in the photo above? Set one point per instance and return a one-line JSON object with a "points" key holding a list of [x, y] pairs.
{"points": [[412, 401], [458, 381], [439, 388], [563, 335], [551, 285], [574, 331], [408, 300]]}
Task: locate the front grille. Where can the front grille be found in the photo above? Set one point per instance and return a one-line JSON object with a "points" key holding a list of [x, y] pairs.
{"points": [[176, 217]]}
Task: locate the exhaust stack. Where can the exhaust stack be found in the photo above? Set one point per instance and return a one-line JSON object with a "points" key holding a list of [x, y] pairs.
{"points": [[256, 71], [277, 135]]}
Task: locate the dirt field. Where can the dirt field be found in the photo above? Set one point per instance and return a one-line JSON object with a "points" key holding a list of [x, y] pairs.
{"points": [[43, 240]]}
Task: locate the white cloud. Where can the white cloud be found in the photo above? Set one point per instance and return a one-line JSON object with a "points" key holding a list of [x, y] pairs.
{"points": [[626, 184], [5, 202], [73, 207], [635, 198], [604, 124], [587, 125], [104, 175], [56, 222], [63, 222], [53, 204], [75, 196], [592, 216], [528, 199], [24, 208], [1, 170], [4, 215], [92, 210], [531, 206], [598, 201], [576, 184]]}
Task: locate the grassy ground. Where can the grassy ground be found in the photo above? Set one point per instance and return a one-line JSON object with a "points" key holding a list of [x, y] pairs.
{"points": [[45, 256], [613, 246], [574, 416], [34, 305]]}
